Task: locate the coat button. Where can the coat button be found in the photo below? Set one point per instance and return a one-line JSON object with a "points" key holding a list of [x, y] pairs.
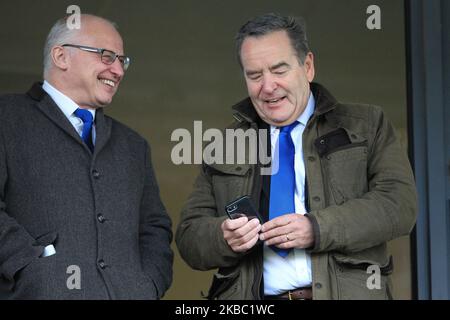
{"points": [[322, 141], [101, 218], [96, 174], [102, 264], [317, 199], [318, 285]]}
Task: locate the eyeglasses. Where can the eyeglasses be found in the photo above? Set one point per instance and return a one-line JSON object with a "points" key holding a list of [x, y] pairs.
{"points": [[107, 56]]}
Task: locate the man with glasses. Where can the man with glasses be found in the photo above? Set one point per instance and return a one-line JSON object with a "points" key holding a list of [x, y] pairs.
{"points": [[80, 211]]}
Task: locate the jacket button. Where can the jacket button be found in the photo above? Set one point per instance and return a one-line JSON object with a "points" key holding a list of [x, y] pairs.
{"points": [[96, 174], [318, 285], [102, 264], [317, 199], [312, 159], [101, 218], [322, 141]]}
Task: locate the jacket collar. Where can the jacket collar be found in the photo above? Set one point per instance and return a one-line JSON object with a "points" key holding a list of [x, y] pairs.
{"points": [[46, 104], [325, 102]]}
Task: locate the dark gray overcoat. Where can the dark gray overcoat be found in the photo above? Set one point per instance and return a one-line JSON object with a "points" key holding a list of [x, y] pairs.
{"points": [[101, 211]]}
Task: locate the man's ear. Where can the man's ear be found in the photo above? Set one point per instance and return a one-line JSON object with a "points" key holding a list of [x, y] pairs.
{"points": [[309, 66], [60, 57]]}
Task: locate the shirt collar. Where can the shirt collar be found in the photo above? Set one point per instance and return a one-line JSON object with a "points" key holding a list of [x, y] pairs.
{"points": [[306, 114], [67, 105]]}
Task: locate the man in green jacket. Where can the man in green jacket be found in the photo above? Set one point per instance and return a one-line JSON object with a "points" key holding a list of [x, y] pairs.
{"points": [[339, 189]]}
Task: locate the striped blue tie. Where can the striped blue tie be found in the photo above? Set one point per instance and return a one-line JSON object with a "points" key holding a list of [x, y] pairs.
{"points": [[88, 120], [282, 184]]}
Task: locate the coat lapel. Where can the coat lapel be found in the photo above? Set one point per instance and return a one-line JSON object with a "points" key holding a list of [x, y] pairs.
{"points": [[46, 104], [102, 130]]}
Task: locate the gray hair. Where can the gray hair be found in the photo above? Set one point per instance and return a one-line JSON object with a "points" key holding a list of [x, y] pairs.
{"points": [[60, 34], [295, 28]]}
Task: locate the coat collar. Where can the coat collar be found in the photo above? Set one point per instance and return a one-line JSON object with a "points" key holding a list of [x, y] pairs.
{"points": [[325, 102], [46, 104]]}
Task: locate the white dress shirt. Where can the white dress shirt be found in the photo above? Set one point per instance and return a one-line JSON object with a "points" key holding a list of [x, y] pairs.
{"points": [[68, 107], [294, 271]]}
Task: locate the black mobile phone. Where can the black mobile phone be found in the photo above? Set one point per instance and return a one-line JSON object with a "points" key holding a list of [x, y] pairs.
{"points": [[242, 207]]}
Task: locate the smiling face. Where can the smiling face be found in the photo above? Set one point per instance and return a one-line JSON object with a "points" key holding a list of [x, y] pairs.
{"points": [[87, 80], [277, 83]]}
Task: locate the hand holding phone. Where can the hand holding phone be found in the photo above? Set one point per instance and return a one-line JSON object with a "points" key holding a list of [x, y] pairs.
{"points": [[233, 230], [242, 207]]}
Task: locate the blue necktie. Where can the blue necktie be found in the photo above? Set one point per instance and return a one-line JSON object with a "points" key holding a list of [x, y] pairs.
{"points": [[88, 120], [282, 184]]}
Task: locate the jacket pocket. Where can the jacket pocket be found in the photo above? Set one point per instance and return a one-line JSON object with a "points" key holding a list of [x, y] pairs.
{"points": [[32, 280], [43, 241], [225, 285], [47, 239], [346, 172], [229, 186], [35, 280], [362, 279]]}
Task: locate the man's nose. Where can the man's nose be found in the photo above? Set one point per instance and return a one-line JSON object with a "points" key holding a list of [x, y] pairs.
{"points": [[117, 68], [269, 84]]}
